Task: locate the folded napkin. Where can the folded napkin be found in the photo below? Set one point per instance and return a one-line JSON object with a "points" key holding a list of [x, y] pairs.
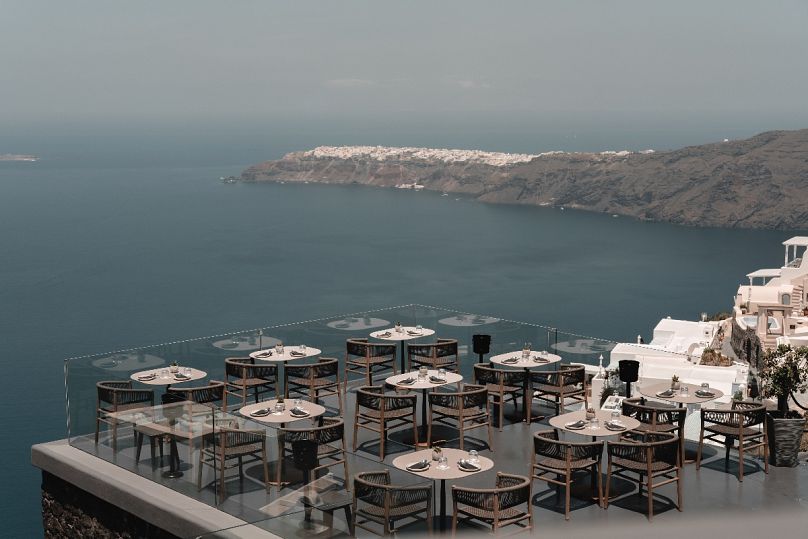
{"points": [[407, 381], [264, 354], [467, 466], [180, 376], [666, 393], [511, 360], [615, 425], [704, 393], [260, 413], [539, 359], [419, 466], [147, 377], [437, 380], [413, 332], [576, 424], [298, 354], [298, 412], [385, 334]]}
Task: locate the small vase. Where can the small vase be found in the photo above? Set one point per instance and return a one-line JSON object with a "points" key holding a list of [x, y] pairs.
{"points": [[436, 455], [676, 386], [174, 369]]}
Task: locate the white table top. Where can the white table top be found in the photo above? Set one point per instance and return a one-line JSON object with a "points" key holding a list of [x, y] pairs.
{"points": [[451, 378], [526, 363], [357, 324], [452, 456], [127, 361], [244, 344], [158, 380], [690, 398], [315, 410], [407, 333], [467, 320], [287, 353], [560, 421]]}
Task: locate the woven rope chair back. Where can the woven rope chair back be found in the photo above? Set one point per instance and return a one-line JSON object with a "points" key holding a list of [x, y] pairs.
{"points": [[513, 490], [235, 366], [572, 375], [212, 393], [546, 444], [484, 374], [371, 487]]}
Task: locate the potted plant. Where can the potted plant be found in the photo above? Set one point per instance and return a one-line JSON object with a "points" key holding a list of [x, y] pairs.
{"points": [[675, 385], [174, 367], [783, 372], [436, 451]]}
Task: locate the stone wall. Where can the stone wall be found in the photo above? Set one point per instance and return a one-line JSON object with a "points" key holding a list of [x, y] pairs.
{"points": [[69, 512]]}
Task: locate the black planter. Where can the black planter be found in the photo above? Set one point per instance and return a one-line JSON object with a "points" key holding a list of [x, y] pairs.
{"points": [[784, 439]]}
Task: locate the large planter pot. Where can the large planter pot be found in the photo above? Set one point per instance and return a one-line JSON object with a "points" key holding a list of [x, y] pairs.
{"points": [[784, 439]]}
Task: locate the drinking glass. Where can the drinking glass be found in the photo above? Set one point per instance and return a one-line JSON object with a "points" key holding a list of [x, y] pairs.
{"points": [[303, 348], [443, 463], [298, 404], [279, 408], [187, 371], [418, 328], [615, 415], [705, 386], [279, 348], [684, 390], [594, 423], [422, 372], [442, 373], [474, 457], [163, 373]]}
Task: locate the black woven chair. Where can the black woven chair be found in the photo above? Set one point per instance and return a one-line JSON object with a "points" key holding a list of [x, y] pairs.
{"points": [[245, 379], [744, 423], [364, 358], [221, 448], [118, 396], [554, 460], [560, 387], [501, 384], [379, 412], [439, 355], [495, 507], [211, 394], [654, 458], [330, 440], [466, 409], [658, 417], [376, 500], [314, 381]]}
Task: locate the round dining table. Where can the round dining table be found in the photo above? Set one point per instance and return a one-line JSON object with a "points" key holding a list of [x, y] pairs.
{"points": [[535, 360], [405, 333], [563, 422], [280, 418], [430, 382], [289, 353], [432, 473], [657, 391], [164, 376]]}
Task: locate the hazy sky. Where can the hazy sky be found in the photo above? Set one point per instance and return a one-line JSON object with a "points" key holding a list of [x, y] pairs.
{"points": [[105, 60]]}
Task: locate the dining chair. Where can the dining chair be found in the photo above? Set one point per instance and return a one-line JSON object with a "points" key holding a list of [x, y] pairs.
{"points": [[221, 448], [381, 412], [655, 459], [245, 379], [438, 355], [559, 387], [744, 423], [329, 438], [376, 500], [657, 417], [362, 357], [556, 462], [118, 396], [501, 384], [314, 381], [495, 507], [211, 394], [465, 409]]}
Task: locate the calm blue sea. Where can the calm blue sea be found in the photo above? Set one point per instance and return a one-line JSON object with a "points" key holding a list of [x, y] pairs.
{"points": [[113, 242]]}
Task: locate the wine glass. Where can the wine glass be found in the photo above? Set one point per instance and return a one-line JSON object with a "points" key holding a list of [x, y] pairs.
{"points": [[474, 456]]}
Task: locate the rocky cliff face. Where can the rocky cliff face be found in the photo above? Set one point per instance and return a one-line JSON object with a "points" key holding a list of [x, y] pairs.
{"points": [[760, 182]]}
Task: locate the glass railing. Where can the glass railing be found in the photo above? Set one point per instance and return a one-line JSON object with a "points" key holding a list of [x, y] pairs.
{"points": [[178, 441]]}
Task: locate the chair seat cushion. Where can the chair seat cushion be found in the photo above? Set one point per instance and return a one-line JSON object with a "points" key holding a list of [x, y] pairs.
{"points": [[657, 466], [454, 412], [317, 382], [364, 362], [250, 382], [728, 430], [487, 515], [495, 389], [561, 464], [400, 511], [555, 390], [659, 427], [388, 414]]}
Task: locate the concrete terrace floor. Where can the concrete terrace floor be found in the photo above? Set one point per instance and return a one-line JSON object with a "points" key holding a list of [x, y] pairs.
{"points": [[714, 499]]}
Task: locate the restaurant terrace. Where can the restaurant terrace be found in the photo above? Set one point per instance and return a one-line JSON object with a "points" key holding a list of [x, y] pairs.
{"points": [[405, 420]]}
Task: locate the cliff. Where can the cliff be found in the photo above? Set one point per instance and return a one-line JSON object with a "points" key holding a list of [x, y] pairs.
{"points": [[760, 182]]}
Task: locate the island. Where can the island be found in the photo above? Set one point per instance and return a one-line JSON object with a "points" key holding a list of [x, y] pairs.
{"points": [[759, 182], [17, 157]]}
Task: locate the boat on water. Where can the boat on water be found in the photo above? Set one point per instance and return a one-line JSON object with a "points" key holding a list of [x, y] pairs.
{"points": [[229, 179]]}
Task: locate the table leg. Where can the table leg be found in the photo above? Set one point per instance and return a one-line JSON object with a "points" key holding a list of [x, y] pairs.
{"points": [[527, 399], [401, 346], [174, 461], [442, 505], [423, 408]]}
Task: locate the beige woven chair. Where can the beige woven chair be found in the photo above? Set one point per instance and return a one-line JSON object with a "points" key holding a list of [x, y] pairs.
{"points": [[376, 500], [118, 396], [364, 358], [559, 387], [330, 440], [495, 507], [655, 459], [245, 379], [745, 422], [553, 460], [379, 412], [439, 355], [466, 410], [501, 384], [314, 380], [226, 445]]}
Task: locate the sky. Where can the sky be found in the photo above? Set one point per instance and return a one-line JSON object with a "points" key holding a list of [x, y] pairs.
{"points": [[148, 61]]}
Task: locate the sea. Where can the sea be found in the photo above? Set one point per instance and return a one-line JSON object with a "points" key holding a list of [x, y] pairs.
{"points": [[126, 237]]}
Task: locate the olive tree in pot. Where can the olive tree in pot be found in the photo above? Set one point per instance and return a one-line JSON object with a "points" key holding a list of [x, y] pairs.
{"points": [[783, 372]]}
